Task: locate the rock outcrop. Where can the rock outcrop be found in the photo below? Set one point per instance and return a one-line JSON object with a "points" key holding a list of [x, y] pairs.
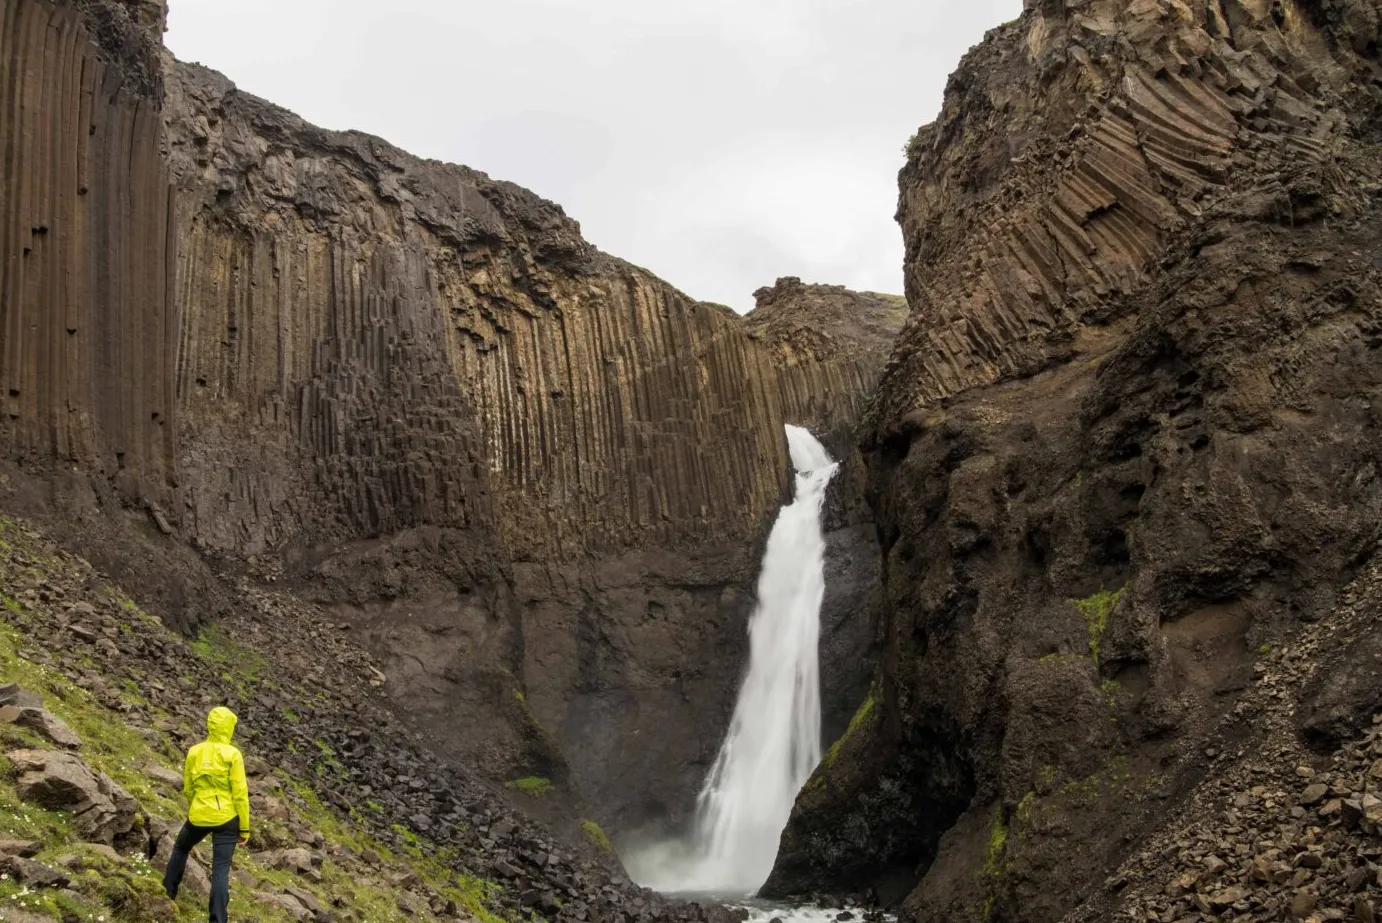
{"points": [[1127, 440], [101, 810], [1285, 825]]}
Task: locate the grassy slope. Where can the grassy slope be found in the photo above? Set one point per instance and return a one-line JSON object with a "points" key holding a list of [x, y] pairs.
{"points": [[351, 875]]}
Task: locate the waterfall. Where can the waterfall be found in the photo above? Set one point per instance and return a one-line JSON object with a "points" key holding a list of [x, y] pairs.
{"points": [[774, 738]]}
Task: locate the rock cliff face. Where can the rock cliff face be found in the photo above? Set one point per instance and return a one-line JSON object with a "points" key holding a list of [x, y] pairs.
{"points": [[86, 259], [324, 275], [1126, 444], [534, 478]]}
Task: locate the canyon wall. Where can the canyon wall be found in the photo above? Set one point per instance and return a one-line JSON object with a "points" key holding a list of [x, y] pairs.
{"points": [[346, 299], [87, 312], [1127, 442], [533, 478]]}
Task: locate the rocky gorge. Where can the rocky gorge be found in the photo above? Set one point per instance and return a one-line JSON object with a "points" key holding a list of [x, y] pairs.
{"points": [[463, 514]]}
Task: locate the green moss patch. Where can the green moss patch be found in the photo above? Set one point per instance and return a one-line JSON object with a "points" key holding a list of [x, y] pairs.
{"points": [[861, 717], [1096, 610], [998, 841], [596, 835], [533, 785]]}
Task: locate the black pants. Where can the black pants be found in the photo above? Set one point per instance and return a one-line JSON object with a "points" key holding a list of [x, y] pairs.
{"points": [[223, 841]]}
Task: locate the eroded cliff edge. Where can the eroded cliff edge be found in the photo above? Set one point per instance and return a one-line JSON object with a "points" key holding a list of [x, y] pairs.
{"points": [[242, 350], [1127, 441]]}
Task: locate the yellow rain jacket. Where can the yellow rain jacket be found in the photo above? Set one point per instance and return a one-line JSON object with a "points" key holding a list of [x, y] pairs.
{"points": [[213, 778]]}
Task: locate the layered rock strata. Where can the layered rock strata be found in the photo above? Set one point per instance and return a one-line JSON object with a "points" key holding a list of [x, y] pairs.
{"points": [[1126, 444]]}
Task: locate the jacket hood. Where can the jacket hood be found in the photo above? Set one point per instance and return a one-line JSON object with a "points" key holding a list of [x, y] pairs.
{"points": [[220, 725]]}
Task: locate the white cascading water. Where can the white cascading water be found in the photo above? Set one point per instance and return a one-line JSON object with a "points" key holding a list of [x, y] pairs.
{"points": [[774, 739]]}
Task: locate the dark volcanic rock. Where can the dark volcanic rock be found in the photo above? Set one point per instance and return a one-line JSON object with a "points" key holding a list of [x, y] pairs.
{"points": [[101, 810], [1126, 440], [42, 721], [1341, 702]]}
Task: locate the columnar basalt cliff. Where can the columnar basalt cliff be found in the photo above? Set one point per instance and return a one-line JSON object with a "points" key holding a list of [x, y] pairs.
{"points": [[1127, 442], [86, 256], [532, 477], [603, 409]]}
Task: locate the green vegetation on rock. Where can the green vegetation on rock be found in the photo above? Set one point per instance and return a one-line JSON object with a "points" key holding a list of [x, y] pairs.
{"points": [[860, 718], [532, 785], [1024, 811], [1111, 689], [596, 835], [1096, 610], [998, 840]]}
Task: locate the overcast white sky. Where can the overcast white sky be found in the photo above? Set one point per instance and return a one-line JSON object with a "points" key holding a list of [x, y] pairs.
{"points": [[719, 143]]}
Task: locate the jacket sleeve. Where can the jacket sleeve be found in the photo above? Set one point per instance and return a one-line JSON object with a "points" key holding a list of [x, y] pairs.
{"points": [[240, 791], [187, 776]]}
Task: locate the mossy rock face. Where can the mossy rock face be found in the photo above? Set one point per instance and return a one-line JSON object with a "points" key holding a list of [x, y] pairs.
{"points": [[862, 717]]}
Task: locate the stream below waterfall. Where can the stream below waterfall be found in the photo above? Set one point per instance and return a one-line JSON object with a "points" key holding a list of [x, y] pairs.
{"points": [[774, 739]]}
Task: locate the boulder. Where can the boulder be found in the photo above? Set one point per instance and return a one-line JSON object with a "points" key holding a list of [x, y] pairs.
{"points": [[33, 874], [168, 778], [286, 903], [101, 810], [305, 898], [271, 808], [299, 861], [43, 722], [1340, 702], [25, 848], [195, 880], [12, 694]]}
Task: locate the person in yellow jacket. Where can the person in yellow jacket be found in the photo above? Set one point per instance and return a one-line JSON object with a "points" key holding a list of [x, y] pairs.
{"points": [[213, 779]]}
